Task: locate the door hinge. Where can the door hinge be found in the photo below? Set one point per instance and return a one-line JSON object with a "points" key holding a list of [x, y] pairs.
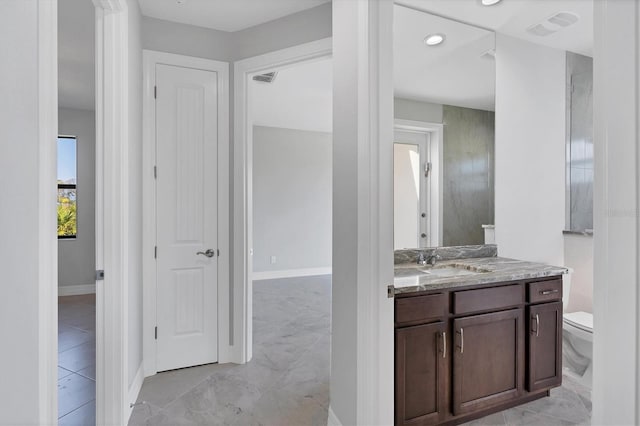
{"points": [[218, 252], [155, 92], [156, 333], [427, 168], [155, 252], [155, 172], [390, 291], [99, 275]]}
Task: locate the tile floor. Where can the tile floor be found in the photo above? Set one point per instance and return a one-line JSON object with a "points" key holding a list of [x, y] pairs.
{"points": [[287, 382], [76, 360]]}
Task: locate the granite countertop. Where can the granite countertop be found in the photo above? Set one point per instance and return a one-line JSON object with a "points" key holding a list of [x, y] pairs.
{"points": [[410, 278]]}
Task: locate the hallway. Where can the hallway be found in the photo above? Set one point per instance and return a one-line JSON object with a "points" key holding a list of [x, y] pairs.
{"points": [[286, 382]]}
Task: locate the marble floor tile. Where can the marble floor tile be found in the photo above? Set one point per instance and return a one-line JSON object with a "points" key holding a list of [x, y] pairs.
{"points": [[69, 337], [496, 419], [76, 360], [83, 416], [521, 417], [79, 357], [74, 391], [563, 404], [63, 373]]}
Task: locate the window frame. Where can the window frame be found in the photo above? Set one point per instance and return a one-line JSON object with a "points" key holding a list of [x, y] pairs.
{"points": [[70, 186]]}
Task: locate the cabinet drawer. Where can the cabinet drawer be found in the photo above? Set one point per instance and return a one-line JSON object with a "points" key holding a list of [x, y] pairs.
{"points": [[487, 299], [412, 310], [544, 291]]}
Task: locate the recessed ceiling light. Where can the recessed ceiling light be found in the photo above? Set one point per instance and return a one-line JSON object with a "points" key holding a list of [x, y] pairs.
{"points": [[490, 2], [434, 39]]}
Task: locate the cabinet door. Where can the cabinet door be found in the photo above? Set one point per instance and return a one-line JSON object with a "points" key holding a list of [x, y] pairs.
{"points": [[488, 360], [545, 346], [421, 374]]}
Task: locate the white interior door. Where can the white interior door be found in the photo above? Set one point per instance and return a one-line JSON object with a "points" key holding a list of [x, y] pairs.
{"points": [[411, 167], [186, 211]]}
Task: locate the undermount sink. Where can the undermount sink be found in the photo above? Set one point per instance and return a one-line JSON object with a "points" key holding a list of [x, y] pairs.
{"points": [[437, 271], [450, 271]]}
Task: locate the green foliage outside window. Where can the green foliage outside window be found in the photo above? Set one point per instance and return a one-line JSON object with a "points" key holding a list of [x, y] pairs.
{"points": [[67, 212]]}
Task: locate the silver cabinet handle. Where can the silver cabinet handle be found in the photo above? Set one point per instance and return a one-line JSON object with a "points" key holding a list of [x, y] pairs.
{"points": [[208, 253], [547, 292], [444, 344], [461, 340], [537, 325]]}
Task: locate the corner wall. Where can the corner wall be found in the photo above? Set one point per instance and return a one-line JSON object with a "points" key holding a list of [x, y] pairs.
{"points": [[616, 214], [291, 200], [28, 253], [530, 151], [135, 191]]}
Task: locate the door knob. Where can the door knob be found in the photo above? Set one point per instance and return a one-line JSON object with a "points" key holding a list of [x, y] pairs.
{"points": [[423, 235], [208, 253]]}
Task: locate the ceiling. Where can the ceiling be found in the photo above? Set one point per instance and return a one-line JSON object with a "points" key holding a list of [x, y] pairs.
{"points": [[513, 17], [224, 15], [76, 54], [456, 72], [300, 97]]}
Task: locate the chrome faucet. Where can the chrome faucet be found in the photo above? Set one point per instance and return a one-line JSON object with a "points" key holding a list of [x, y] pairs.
{"points": [[431, 260], [424, 260]]}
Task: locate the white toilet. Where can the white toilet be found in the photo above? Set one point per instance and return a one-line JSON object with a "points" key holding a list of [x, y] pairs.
{"points": [[577, 339]]}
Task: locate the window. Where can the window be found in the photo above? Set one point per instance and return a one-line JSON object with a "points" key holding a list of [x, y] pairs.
{"points": [[67, 173]]}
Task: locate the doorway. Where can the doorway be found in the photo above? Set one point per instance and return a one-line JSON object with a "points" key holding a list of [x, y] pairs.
{"points": [[290, 113], [411, 169], [76, 225]]}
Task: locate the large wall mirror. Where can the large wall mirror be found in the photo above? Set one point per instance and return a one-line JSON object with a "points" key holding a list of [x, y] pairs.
{"points": [[444, 90]]}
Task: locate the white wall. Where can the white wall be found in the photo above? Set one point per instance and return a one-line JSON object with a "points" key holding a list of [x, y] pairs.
{"points": [[291, 199], [173, 37], [292, 30], [408, 109], [529, 150], [135, 189], [29, 243], [578, 255], [77, 257], [298, 28], [616, 356]]}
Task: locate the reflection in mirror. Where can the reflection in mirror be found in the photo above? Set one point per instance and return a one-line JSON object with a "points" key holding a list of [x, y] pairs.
{"points": [[444, 110], [579, 208]]}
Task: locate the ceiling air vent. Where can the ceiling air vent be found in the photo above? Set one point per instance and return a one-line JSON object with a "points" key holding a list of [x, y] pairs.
{"points": [[553, 24], [266, 78]]}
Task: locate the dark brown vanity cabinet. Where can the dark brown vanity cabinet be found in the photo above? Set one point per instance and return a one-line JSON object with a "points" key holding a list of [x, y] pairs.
{"points": [[421, 374], [488, 360], [545, 335], [465, 353]]}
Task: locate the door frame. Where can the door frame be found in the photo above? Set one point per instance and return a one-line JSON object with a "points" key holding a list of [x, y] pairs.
{"points": [[436, 156], [47, 239], [242, 178], [112, 206], [149, 280]]}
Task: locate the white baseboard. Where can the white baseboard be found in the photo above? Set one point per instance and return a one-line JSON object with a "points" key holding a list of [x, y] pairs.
{"points": [[333, 420], [76, 290], [288, 273], [134, 389]]}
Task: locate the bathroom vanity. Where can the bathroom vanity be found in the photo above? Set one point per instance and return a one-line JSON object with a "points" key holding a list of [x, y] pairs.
{"points": [[474, 336]]}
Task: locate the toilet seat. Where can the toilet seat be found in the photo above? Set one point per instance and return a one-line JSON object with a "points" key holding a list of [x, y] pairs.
{"points": [[580, 320]]}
